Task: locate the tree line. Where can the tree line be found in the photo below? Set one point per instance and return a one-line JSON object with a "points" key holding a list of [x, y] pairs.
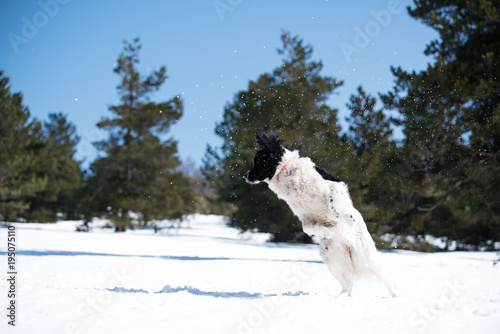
{"points": [[137, 180], [440, 177]]}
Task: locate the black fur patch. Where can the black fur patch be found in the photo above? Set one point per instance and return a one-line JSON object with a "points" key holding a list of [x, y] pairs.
{"points": [[267, 158]]}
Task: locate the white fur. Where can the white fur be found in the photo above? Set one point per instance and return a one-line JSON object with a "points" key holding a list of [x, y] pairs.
{"points": [[326, 210]]}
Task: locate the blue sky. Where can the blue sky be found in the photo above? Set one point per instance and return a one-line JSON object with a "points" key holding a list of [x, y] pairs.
{"points": [[61, 53]]}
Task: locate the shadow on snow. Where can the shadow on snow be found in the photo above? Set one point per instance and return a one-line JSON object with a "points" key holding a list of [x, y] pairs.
{"points": [[216, 294], [164, 257]]}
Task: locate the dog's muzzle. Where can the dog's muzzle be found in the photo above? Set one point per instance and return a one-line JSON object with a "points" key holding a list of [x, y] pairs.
{"points": [[247, 180]]}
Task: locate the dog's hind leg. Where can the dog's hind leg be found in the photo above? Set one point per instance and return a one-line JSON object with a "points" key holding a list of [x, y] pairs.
{"points": [[346, 284], [345, 279], [341, 267], [383, 279], [389, 287]]}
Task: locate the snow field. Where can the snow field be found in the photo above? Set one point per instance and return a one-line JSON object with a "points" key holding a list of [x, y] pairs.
{"points": [[207, 278]]}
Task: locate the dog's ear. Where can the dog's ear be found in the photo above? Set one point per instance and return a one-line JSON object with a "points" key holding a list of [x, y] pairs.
{"points": [[262, 137], [266, 140], [276, 144]]}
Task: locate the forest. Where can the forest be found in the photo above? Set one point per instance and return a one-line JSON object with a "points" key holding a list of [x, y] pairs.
{"points": [[440, 177]]}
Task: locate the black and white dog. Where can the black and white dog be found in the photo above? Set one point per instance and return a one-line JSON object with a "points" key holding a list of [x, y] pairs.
{"points": [[323, 205]]}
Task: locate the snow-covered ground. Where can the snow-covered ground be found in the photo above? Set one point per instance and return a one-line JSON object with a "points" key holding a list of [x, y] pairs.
{"points": [[207, 278]]}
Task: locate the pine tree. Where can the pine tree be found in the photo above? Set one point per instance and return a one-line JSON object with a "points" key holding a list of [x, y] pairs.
{"points": [[451, 118], [138, 172], [21, 153], [369, 129], [291, 102], [63, 172], [369, 138]]}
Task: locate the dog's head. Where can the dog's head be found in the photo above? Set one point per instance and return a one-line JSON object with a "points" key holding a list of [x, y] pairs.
{"points": [[267, 158]]}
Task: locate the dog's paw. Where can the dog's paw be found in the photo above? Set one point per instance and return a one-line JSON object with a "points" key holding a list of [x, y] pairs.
{"points": [[345, 294], [394, 292], [327, 232], [309, 231], [319, 231]]}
